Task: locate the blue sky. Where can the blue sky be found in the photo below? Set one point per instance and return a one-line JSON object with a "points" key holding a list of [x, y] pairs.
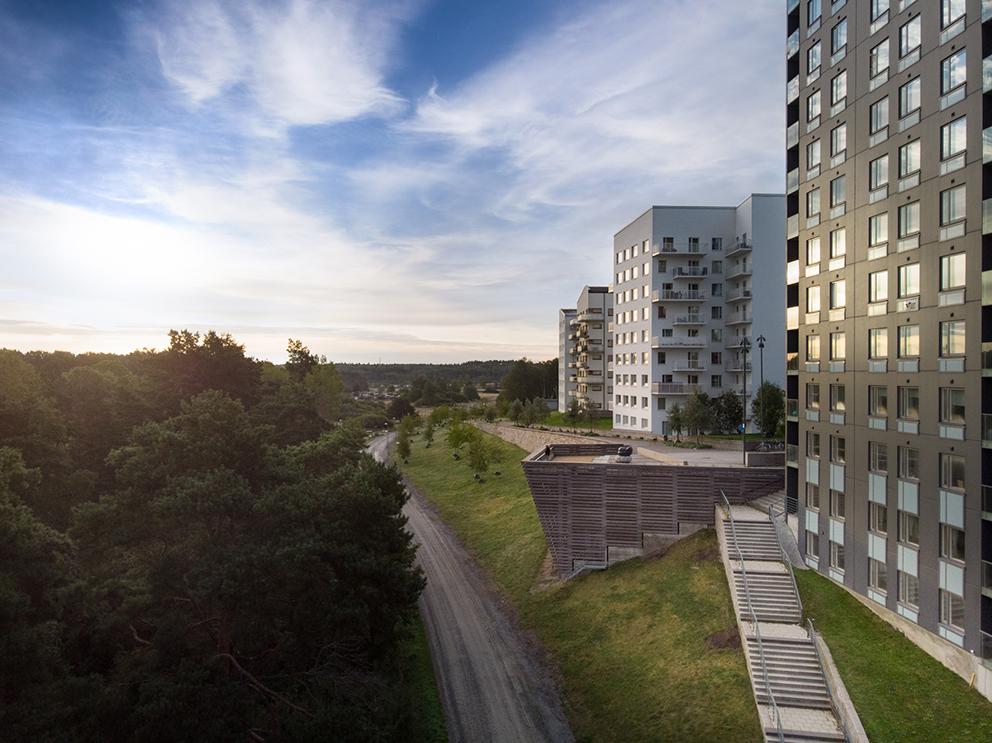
{"points": [[410, 181]]}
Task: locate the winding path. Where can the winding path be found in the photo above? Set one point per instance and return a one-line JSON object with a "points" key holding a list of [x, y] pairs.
{"points": [[493, 686]]}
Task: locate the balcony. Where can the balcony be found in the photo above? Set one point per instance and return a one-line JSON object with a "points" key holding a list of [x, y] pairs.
{"points": [[986, 430], [792, 361], [674, 388], [792, 135], [739, 248], [674, 248], [987, 578], [677, 342], [737, 295], [688, 320], [690, 272], [677, 295], [792, 454], [792, 44], [792, 90], [739, 272], [590, 315], [792, 409], [739, 319], [738, 366]]}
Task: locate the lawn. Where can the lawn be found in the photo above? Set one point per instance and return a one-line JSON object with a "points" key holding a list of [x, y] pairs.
{"points": [[630, 642], [604, 423], [426, 723], [901, 693]]}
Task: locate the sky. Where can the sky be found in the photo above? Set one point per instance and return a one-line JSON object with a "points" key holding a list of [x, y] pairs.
{"points": [[394, 181]]}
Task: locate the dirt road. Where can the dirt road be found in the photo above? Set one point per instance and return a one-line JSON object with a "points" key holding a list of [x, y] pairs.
{"points": [[493, 688]]}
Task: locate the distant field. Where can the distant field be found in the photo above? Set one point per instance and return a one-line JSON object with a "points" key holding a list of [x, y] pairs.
{"points": [[900, 692], [630, 642]]}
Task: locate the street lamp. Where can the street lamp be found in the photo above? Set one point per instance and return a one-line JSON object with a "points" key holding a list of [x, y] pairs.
{"points": [[760, 340], [745, 347]]}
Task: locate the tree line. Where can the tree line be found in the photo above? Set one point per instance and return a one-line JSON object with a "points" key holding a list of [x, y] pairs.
{"points": [[194, 545]]}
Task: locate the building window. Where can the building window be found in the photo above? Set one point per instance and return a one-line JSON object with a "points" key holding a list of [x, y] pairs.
{"points": [[812, 11], [716, 266], [838, 88], [878, 229], [909, 463], [909, 280], [812, 496], [813, 251], [838, 449], [909, 37], [951, 542], [952, 471], [838, 238], [909, 97], [812, 348], [813, 202], [813, 106], [878, 343], [953, 72], [909, 528], [909, 158], [813, 450], [716, 381], [878, 575], [812, 299], [878, 400], [953, 138], [878, 115], [878, 58], [838, 140], [878, 457], [909, 589], [952, 207], [952, 405], [909, 341], [951, 609], [813, 57], [909, 219], [952, 338], [878, 518], [812, 396], [838, 36], [952, 271], [838, 398], [836, 555], [878, 172], [716, 312], [950, 11], [838, 346], [716, 244], [909, 403], [838, 294], [812, 544], [878, 286], [813, 154], [838, 191], [837, 504]]}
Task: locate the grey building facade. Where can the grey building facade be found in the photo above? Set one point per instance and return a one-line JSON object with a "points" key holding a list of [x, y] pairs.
{"points": [[691, 284], [567, 359], [585, 351], [886, 327]]}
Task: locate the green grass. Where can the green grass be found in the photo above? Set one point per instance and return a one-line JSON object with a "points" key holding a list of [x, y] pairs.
{"points": [[737, 437], [557, 418], [426, 722], [900, 692], [630, 642]]}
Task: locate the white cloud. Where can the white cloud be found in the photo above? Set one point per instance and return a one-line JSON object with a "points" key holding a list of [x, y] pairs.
{"points": [[302, 62]]}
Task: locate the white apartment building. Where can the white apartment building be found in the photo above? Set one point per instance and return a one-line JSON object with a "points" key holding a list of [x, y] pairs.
{"points": [[690, 284], [585, 349]]}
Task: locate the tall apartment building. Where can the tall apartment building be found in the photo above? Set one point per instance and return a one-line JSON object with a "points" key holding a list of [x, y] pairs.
{"points": [[585, 351], [887, 444], [567, 374], [690, 284]]}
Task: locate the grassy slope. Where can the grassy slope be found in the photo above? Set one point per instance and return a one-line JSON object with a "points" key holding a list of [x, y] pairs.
{"points": [[600, 424], [426, 722], [630, 642], [901, 693]]}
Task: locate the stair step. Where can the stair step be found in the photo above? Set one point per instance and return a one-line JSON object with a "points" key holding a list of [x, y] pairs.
{"points": [[801, 736]]}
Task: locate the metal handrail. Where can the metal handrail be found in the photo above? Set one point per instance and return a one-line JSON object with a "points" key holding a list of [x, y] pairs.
{"points": [[823, 672], [785, 557], [754, 620]]}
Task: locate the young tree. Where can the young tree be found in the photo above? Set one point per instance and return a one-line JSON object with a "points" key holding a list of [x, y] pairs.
{"points": [[573, 411], [403, 444], [768, 408], [697, 414], [461, 433], [480, 455], [727, 412], [676, 421], [428, 433], [516, 411]]}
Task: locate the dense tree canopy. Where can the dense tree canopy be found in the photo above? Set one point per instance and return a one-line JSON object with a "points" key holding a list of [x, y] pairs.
{"points": [[227, 564], [527, 380]]}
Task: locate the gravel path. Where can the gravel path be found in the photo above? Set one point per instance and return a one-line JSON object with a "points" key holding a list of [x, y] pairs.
{"points": [[493, 685]]}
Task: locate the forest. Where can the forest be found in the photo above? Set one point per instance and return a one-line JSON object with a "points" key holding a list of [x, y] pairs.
{"points": [[194, 545]]}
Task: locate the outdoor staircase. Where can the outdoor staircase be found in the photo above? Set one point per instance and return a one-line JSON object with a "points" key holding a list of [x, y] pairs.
{"points": [[787, 676]]}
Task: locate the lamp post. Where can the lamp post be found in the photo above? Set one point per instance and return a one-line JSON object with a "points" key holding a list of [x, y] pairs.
{"points": [[745, 347], [760, 340]]}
